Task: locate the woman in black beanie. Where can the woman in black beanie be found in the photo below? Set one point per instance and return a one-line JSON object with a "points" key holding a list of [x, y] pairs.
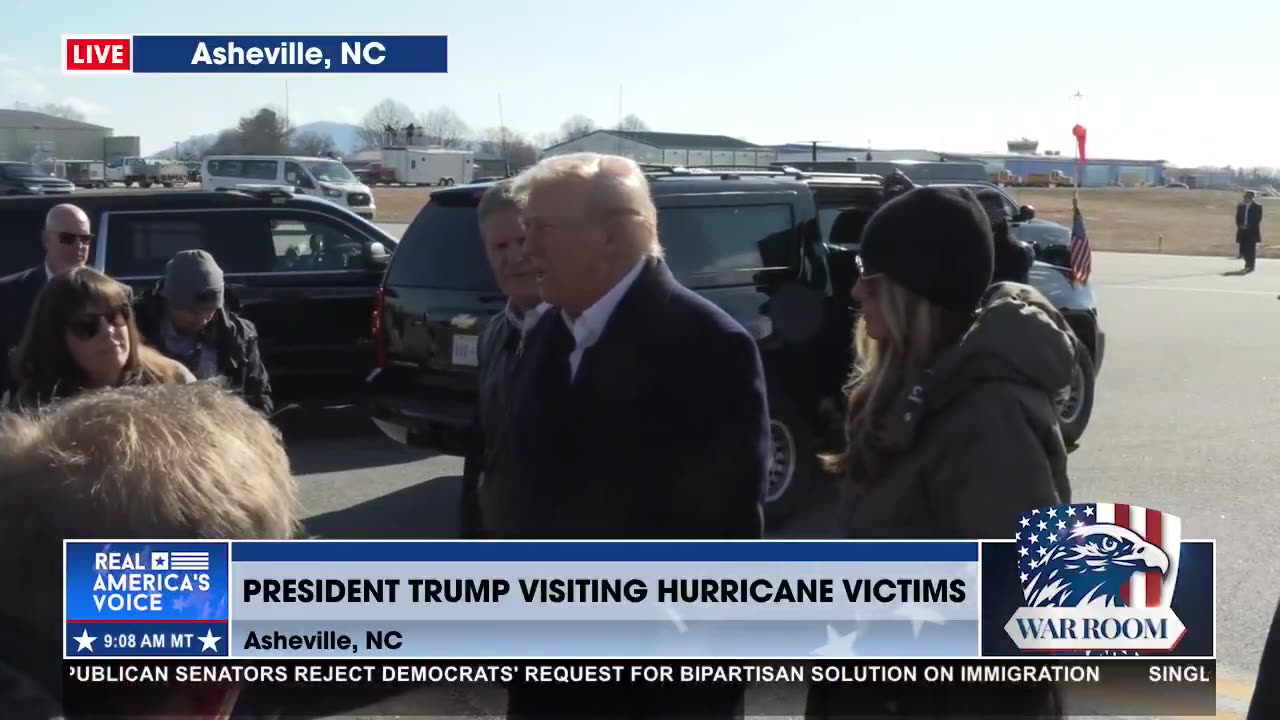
{"points": [[952, 428]]}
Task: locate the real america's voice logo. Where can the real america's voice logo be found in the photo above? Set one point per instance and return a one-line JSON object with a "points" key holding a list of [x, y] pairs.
{"points": [[1097, 578]]}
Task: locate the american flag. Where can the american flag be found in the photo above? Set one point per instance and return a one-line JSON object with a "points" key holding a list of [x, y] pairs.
{"points": [[1081, 253], [1040, 531]]}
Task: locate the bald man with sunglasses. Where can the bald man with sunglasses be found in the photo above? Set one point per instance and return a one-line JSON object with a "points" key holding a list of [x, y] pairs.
{"points": [[67, 240]]}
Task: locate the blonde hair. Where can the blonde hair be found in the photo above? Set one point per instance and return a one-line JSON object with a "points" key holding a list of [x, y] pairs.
{"points": [[618, 187], [917, 330], [186, 461]]}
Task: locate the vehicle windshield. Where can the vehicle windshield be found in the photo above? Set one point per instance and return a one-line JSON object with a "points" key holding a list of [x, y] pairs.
{"points": [[22, 170], [329, 171]]}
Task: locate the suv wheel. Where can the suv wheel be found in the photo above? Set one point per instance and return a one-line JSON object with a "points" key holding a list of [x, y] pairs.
{"points": [[1075, 402], [793, 466]]}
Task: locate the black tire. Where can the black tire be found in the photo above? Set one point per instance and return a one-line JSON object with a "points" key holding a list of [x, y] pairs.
{"points": [[795, 470], [1075, 404]]}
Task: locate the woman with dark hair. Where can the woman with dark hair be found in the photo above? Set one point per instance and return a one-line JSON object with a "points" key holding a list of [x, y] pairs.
{"points": [[951, 428], [82, 336]]}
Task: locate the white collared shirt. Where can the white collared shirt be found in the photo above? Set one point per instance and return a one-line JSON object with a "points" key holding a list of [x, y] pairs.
{"points": [[590, 325], [525, 324]]}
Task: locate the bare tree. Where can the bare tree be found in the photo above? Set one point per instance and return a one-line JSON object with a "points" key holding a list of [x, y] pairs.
{"points": [[194, 148], [314, 144], [633, 123], [577, 126], [512, 146], [61, 110], [442, 126], [387, 114]]}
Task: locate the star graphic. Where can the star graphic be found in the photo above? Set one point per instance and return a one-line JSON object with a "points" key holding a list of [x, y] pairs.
{"points": [[1089, 511], [919, 615], [1034, 539], [1023, 577], [1071, 512], [1022, 552], [1042, 525], [1062, 525], [837, 645], [84, 640], [1053, 512], [1035, 512], [1043, 551], [1024, 522], [1078, 525], [1017, 536], [209, 641]]}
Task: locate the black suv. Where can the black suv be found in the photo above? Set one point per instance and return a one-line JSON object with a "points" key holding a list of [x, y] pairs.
{"points": [[754, 243], [305, 271]]}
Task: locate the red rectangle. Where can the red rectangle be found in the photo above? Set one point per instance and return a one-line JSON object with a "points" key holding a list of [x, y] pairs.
{"points": [[1122, 519], [99, 54]]}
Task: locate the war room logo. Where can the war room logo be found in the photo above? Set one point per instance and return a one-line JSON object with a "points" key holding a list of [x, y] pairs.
{"points": [[1097, 578]]}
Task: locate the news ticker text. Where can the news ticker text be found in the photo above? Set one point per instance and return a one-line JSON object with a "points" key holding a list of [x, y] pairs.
{"points": [[1107, 686]]}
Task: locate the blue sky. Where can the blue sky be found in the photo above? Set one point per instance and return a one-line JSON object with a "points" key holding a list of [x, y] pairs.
{"points": [[1189, 86]]}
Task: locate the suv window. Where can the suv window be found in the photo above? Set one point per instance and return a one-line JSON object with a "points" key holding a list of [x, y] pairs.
{"points": [[304, 244], [140, 244], [724, 237], [443, 249]]}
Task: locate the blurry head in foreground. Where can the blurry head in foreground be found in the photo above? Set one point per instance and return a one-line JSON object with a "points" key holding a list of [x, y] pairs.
{"points": [[163, 461]]}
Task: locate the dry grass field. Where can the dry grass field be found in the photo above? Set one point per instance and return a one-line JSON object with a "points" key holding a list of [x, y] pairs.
{"points": [[1191, 222]]}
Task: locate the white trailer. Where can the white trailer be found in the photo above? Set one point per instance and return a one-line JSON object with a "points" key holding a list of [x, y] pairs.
{"points": [[84, 173], [426, 166]]}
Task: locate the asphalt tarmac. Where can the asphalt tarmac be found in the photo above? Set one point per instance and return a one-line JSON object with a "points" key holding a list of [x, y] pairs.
{"points": [[1187, 402]]}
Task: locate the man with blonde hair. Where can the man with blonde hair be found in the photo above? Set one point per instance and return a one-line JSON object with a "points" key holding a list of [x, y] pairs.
{"points": [[639, 407], [164, 461]]}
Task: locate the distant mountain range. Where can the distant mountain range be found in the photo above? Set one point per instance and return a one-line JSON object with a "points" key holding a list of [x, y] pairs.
{"points": [[346, 138]]}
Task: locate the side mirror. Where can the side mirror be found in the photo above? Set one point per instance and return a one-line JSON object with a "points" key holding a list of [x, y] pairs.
{"points": [[376, 256], [1026, 212]]}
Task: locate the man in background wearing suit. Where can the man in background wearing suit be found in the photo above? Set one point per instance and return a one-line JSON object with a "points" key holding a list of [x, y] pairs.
{"points": [[639, 406], [499, 348], [1248, 229], [66, 240]]}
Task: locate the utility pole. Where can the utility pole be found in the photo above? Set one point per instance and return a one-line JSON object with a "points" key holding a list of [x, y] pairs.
{"points": [[502, 125]]}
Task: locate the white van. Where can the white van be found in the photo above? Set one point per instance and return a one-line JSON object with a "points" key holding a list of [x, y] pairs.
{"points": [[323, 177]]}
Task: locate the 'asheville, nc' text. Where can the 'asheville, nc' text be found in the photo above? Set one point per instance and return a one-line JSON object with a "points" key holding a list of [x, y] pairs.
{"points": [[287, 53]]}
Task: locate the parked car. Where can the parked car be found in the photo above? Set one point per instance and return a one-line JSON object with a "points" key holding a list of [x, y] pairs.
{"points": [[303, 270], [18, 178], [754, 243]]}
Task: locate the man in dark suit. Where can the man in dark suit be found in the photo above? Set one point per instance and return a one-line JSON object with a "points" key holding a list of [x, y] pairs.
{"points": [[639, 407], [66, 238], [1248, 229], [499, 348]]}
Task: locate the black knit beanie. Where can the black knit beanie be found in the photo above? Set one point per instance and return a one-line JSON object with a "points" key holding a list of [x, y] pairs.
{"points": [[935, 242]]}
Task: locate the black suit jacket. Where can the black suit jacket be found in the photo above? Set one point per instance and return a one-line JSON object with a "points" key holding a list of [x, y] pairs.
{"points": [[664, 433], [1252, 230], [1265, 703], [17, 296]]}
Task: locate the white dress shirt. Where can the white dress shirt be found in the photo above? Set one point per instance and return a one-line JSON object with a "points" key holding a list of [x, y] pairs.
{"points": [[591, 323]]}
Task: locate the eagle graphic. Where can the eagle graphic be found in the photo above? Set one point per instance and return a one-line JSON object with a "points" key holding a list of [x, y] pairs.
{"points": [[1090, 567]]}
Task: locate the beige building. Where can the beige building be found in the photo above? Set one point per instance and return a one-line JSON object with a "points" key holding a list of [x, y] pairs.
{"points": [[28, 136], [662, 148]]}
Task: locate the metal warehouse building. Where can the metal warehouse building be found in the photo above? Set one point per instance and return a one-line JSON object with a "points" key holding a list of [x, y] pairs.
{"points": [[670, 148], [28, 136], [1022, 160]]}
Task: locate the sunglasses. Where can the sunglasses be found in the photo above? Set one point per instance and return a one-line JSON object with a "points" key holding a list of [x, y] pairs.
{"points": [[87, 325], [70, 238]]}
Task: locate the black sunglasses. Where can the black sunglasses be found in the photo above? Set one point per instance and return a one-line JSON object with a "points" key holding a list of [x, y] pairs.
{"points": [[69, 238], [87, 326]]}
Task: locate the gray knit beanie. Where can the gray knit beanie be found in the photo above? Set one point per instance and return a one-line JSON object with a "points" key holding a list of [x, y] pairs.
{"points": [[193, 279]]}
